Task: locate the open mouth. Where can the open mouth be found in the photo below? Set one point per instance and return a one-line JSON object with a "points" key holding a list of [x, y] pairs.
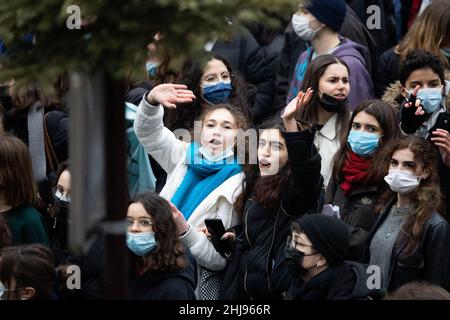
{"points": [[263, 163], [215, 142], [340, 96]]}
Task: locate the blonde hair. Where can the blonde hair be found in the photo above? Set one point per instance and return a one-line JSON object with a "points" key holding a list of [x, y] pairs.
{"points": [[429, 31]]}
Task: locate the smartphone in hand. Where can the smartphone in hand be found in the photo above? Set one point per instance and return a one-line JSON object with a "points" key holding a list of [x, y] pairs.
{"points": [[411, 98], [216, 229]]}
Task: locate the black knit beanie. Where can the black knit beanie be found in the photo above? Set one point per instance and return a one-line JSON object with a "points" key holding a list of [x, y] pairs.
{"points": [[329, 12], [329, 235]]}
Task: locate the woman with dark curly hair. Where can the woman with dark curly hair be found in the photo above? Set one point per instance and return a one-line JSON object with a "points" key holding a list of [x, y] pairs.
{"points": [[160, 269], [212, 82], [410, 240]]}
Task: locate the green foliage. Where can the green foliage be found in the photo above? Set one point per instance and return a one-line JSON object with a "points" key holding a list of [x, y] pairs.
{"points": [[116, 40]]}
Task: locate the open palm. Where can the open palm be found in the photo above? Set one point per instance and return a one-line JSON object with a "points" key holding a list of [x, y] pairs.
{"points": [[169, 95], [302, 99]]}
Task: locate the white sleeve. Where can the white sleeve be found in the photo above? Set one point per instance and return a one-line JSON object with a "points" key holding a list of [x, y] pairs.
{"points": [[199, 244], [157, 140]]}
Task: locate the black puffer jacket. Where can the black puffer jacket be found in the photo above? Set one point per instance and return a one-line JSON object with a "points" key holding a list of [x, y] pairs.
{"points": [[256, 270], [357, 210], [345, 282], [429, 262]]}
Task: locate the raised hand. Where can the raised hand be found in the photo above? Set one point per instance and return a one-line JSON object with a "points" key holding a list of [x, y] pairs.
{"points": [[414, 101], [441, 139], [291, 110], [169, 95]]}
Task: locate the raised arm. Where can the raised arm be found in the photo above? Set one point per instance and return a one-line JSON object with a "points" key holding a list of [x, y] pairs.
{"points": [[157, 140]]}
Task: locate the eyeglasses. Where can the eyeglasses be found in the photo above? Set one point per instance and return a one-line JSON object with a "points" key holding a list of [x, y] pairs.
{"points": [[142, 222], [294, 244]]}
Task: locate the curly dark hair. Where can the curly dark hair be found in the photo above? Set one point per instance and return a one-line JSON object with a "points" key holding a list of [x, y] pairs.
{"points": [[427, 199], [191, 74], [169, 253], [419, 59], [266, 191]]}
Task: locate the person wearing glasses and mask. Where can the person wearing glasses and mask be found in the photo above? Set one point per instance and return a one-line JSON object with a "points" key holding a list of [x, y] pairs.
{"points": [[315, 256], [212, 82], [160, 268]]}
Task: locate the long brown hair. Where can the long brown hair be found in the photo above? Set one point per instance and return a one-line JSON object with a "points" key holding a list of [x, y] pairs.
{"points": [[316, 70], [430, 31], [266, 191], [169, 253], [5, 234], [387, 119], [24, 97], [428, 197], [16, 174]]}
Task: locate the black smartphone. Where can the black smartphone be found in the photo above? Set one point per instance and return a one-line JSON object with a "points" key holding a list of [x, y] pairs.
{"points": [[215, 228], [411, 98], [442, 122]]}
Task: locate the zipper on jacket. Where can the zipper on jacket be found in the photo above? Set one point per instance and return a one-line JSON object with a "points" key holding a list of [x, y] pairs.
{"points": [[245, 284], [246, 225], [270, 250]]}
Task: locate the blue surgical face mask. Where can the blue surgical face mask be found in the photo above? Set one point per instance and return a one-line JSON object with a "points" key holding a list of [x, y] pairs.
{"points": [[217, 93], [141, 243], [152, 68], [431, 98], [363, 143]]}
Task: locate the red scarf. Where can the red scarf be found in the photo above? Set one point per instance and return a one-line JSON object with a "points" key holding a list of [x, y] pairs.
{"points": [[354, 172]]}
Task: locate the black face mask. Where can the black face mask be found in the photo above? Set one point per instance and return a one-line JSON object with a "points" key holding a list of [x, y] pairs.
{"points": [[62, 204], [293, 261], [331, 104]]}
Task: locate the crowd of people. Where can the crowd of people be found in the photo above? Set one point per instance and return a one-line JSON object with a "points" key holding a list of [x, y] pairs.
{"points": [[352, 166]]}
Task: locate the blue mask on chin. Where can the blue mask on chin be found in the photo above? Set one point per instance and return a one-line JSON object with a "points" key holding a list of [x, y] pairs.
{"points": [[217, 93]]}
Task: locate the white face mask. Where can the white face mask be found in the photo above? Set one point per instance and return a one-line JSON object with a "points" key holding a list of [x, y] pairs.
{"points": [[302, 28], [402, 182], [225, 154]]}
